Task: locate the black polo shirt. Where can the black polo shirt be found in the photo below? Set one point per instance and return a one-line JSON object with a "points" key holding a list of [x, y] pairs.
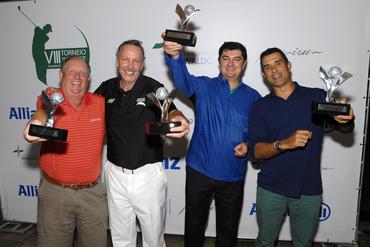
{"points": [[125, 115]]}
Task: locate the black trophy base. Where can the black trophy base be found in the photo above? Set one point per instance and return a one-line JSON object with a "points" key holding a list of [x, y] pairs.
{"points": [[330, 108], [160, 128], [48, 133], [181, 37]]}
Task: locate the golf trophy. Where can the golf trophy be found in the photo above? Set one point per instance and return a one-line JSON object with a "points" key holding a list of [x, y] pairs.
{"points": [[48, 131], [332, 79], [182, 36], [162, 99]]}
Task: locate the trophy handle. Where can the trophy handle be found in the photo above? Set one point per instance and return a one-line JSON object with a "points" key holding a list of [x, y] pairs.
{"points": [[325, 77], [329, 84], [172, 95], [344, 77], [152, 97], [180, 13], [166, 105], [329, 94], [185, 23], [164, 113], [47, 103], [184, 19], [50, 121], [323, 74]]}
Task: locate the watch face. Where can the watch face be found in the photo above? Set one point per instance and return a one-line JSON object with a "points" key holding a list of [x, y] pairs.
{"points": [[277, 146]]}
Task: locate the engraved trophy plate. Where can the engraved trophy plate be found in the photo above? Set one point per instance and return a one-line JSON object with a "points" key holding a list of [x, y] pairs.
{"points": [[332, 79], [48, 131], [162, 100], [182, 36]]}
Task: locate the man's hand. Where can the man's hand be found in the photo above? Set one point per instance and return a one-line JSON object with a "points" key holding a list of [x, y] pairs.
{"points": [[297, 139], [241, 149], [181, 130], [266, 150], [50, 90], [342, 119], [171, 48], [38, 118]]}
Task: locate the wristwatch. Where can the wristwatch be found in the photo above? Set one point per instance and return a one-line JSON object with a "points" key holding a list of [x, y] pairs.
{"points": [[277, 146]]}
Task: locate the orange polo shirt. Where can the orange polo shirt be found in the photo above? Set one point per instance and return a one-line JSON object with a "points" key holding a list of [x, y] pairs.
{"points": [[78, 160]]}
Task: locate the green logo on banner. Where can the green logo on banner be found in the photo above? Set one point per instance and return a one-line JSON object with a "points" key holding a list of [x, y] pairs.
{"points": [[157, 46], [53, 58]]}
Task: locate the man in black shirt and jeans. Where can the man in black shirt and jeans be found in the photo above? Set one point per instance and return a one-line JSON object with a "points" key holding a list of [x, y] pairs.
{"points": [[135, 178]]}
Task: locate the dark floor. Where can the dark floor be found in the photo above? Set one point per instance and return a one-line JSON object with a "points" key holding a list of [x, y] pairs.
{"points": [[28, 239]]}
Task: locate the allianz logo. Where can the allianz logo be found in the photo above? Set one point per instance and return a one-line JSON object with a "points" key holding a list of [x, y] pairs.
{"points": [[20, 112], [28, 190], [325, 211]]}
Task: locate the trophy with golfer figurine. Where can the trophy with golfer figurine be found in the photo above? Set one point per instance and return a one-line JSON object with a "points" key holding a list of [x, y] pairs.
{"points": [[48, 131], [162, 99], [332, 78], [182, 36]]}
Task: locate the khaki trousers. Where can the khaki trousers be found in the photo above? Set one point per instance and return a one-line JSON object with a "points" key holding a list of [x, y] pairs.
{"points": [[60, 211]]}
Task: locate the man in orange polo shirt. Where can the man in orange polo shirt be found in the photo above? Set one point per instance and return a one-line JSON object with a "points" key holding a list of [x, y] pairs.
{"points": [[70, 194]]}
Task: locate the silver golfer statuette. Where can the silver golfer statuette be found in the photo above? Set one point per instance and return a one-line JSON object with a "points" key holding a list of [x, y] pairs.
{"points": [[162, 100], [48, 131], [183, 36], [332, 78]]}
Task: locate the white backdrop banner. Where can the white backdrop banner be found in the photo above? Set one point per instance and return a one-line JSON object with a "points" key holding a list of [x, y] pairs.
{"points": [[312, 33]]}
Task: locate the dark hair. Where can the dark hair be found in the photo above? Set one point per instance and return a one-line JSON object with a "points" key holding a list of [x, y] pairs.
{"points": [[134, 42], [269, 51], [73, 57], [230, 45]]}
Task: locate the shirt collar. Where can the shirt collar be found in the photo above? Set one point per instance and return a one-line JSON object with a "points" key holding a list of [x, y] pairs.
{"points": [[226, 82], [138, 85], [296, 90], [86, 100]]}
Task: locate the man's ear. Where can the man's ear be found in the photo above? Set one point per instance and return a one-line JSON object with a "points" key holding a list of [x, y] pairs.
{"points": [[142, 67], [60, 75]]}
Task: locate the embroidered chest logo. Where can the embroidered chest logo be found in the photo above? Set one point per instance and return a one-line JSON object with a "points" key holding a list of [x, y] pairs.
{"points": [[111, 100], [140, 101], [95, 119]]}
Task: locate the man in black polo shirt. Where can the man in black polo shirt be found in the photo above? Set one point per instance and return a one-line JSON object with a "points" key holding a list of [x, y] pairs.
{"points": [[135, 178]]}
